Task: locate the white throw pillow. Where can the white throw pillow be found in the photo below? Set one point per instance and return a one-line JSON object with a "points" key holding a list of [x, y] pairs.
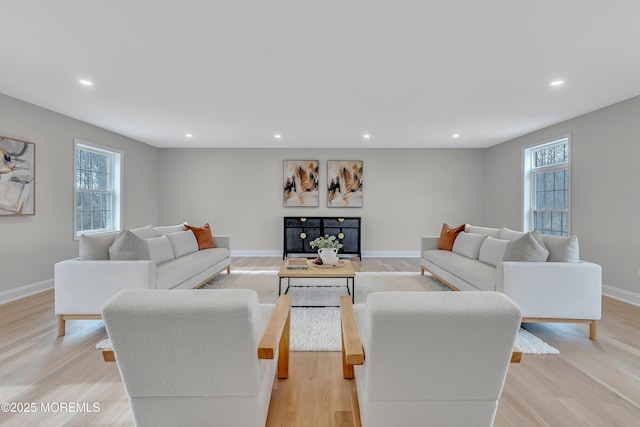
{"points": [[529, 247], [160, 249], [562, 248], [492, 251], [509, 234], [145, 232], [128, 246], [183, 242], [166, 229], [468, 244], [96, 246], [492, 232]]}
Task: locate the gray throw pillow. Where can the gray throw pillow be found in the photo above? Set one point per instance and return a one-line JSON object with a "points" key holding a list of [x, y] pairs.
{"points": [[96, 246], [128, 246], [562, 249], [529, 247]]}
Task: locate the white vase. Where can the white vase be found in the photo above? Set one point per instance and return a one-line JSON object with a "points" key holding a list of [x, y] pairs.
{"points": [[329, 256]]}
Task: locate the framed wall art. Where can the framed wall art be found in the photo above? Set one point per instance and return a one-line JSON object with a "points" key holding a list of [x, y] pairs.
{"points": [[344, 183], [17, 177], [300, 183]]}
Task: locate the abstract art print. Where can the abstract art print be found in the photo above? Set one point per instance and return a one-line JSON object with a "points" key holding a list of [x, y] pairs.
{"points": [[300, 183], [344, 183], [17, 177]]}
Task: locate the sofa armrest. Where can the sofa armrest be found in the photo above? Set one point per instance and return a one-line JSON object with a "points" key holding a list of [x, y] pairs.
{"points": [[222, 241], [428, 242], [352, 351], [276, 334], [562, 290], [84, 286]]}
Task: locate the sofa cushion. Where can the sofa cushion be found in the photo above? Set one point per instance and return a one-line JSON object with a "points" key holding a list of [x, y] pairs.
{"points": [[96, 246], [166, 229], [509, 234], [183, 243], [128, 246], [468, 244], [178, 270], [529, 247], [160, 249], [203, 236], [493, 232], [562, 248], [448, 236], [145, 232], [492, 251], [480, 275]]}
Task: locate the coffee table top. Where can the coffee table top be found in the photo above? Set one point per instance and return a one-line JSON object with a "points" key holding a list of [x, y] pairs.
{"points": [[314, 271]]}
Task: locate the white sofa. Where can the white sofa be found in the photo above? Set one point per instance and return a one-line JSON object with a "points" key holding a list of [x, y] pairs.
{"points": [[83, 285], [564, 289]]}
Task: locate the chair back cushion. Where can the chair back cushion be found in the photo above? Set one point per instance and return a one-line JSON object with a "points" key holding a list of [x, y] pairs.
{"points": [[198, 343], [437, 345]]}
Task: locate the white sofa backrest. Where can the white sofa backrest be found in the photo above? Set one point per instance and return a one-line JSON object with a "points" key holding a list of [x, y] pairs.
{"points": [[187, 343], [437, 345]]}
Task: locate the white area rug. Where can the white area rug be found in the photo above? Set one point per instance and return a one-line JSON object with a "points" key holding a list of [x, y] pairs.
{"points": [[318, 329]]}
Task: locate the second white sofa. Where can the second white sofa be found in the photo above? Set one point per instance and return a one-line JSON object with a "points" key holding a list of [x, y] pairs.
{"points": [[83, 285], [562, 289]]}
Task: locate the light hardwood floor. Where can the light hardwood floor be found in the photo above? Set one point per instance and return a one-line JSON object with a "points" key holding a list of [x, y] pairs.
{"points": [[591, 383]]}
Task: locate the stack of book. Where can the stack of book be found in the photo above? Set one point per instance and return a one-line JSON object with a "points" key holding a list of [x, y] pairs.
{"points": [[297, 264]]}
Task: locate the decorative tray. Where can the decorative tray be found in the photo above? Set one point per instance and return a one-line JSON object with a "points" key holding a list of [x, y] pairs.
{"points": [[340, 264]]}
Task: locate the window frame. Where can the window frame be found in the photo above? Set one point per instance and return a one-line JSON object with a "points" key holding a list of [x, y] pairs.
{"points": [[529, 183], [115, 181]]}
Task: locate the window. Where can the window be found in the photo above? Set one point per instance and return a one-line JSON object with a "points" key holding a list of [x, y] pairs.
{"points": [[97, 189], [547, 188]]}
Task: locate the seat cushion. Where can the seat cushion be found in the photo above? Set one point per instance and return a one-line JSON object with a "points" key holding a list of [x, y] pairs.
{"points": [[178, 270], [482, 276]]}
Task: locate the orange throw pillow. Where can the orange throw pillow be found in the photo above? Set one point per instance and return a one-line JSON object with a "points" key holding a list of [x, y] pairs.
{"points": [[203, 236], [448, 236]]}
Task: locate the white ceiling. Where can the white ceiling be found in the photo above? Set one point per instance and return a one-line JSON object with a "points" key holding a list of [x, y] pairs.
{"points": [[321, 73]]}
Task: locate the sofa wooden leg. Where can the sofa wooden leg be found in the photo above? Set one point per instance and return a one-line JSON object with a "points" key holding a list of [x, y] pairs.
{"points": [[61, 325], [229, 269], [421, 270], [593, 330]]}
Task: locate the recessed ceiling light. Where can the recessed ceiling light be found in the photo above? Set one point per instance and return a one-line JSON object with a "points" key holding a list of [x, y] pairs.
{"points": [[366, 136], [557, 83], [455, 135], [277, 136], [85, 82], [188, 135]]}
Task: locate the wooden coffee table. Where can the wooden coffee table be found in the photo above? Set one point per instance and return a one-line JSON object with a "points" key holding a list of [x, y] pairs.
{"points": [[344, 271]]}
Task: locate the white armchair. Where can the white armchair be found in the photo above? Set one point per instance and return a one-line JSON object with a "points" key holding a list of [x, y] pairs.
{"points": [[197, 358], [432, 358]]}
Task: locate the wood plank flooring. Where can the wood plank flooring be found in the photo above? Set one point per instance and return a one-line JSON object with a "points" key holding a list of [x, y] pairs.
{"points": [[588, 384]]}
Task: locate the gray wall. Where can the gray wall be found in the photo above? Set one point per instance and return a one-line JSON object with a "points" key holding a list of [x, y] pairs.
{"points": [[407, 192], [30, 245], [605, 148]]}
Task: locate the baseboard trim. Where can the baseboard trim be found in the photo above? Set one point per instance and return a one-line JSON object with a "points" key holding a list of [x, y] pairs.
{"points": [[253, 253], [391, 254], [623, 295], [25, 291], [366, 254]]}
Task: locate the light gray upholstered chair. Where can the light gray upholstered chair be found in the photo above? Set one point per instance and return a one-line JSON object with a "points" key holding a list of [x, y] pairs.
{"points": [[432, 358], [198, 357]]}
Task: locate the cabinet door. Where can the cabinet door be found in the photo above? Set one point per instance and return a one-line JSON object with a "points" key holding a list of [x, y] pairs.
{"points": [[350, 238], [295, 239], [298, 239]]}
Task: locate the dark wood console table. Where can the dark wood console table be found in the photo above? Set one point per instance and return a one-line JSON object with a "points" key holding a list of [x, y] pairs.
{"points": [[300, 231]]}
